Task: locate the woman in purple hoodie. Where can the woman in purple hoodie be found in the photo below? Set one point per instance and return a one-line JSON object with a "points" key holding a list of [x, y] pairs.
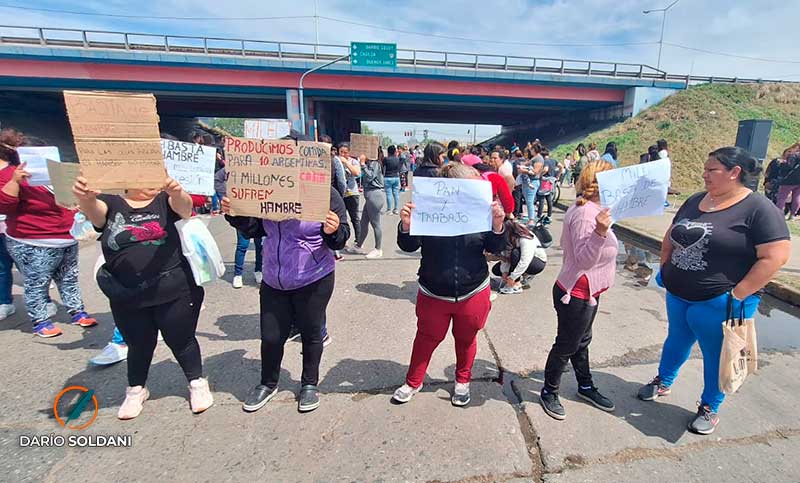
{"points": [[298, 283]]}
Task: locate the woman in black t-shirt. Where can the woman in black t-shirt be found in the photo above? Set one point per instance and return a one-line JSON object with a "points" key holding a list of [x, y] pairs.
{"points": [[726, 242], [148, 282]]}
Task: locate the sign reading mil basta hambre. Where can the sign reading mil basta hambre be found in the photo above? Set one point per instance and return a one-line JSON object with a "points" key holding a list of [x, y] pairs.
{"points": [[278, 180]]}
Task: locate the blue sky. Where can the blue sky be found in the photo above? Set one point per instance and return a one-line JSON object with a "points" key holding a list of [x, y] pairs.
{"points": [[615, 30]]}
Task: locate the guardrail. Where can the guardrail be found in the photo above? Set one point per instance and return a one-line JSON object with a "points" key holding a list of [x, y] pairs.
{"points": [[299, 51]]}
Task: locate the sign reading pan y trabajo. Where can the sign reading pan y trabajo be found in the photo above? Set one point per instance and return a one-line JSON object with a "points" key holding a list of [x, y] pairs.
{"points": [[370, 54]]}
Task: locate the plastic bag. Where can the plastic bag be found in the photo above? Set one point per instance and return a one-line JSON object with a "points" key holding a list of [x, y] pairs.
{"points": [[82, 229], [201, 250]]}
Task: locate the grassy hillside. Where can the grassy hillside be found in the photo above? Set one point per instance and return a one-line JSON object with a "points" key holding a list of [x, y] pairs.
{"points": [[699, 120]]}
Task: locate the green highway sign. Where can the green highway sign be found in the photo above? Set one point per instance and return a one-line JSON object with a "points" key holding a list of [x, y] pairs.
{"points": [[372, 54]]}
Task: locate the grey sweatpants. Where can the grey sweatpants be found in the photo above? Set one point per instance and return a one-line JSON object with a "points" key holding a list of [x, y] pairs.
{"points": [[371, 215]]}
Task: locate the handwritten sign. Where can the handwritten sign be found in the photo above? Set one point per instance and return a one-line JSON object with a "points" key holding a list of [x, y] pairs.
{"points": [[364, 144], [278, 180], [62, 177], [450, 207], [117, 139], [35, 159], [266, 128], [638, 190], [191, 165]]}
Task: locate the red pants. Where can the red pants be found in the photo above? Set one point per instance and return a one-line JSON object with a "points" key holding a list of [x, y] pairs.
{"points": [[433, 319]]}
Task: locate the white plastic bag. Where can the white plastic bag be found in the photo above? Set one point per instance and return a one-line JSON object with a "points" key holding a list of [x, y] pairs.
{"points": [[201, 250]]}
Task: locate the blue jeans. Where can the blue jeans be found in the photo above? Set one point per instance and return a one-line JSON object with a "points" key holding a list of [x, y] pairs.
{"points": [[701, 322], [6, 279], [530, 190], [215, 202], [242, 244], [392, 188]]}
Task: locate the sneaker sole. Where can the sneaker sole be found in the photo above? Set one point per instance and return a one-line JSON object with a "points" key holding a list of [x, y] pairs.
{"points": [[260, 405], [327, 342], [307, 408], [48, 336], [602, 408], [146, 397], [460, 404], [702, 433], [559, 417], [654, 397], [85, 326]]}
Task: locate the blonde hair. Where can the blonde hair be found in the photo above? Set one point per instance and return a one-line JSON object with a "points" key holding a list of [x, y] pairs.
{"points": [[459, 170], [587, 183]]}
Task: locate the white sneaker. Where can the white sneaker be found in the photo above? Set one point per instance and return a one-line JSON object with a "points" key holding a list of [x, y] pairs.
{"points": [[460, 394], [259, 277], [492, 297], [375, 254], [52, 310], [134, 402], [7, 310], [237, 281], [200, 397], [404, 393], [111, 354]]}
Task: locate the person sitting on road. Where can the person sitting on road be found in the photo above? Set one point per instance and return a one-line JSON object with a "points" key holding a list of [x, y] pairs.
{"points": [[524, 258], [590, 255], [148, 282], [724, 245], [298, 283], [453, 285], [39, 241]]}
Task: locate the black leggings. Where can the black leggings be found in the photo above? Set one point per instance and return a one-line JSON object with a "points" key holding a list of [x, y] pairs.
{"points": [[574, 335], [351, 203], [280, 310], [536, 266], [177, 321], [518, 201], [540, 201]]}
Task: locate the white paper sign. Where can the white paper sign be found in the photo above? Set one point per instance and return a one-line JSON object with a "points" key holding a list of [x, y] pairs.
{"points": [[36, 158], [266, 128], [450, 207], [638, 190], [191, 165]]}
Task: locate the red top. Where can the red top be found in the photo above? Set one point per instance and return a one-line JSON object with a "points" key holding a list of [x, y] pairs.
{"points": [[198, 200], [500, 190], [581, 289], [34, 214]]}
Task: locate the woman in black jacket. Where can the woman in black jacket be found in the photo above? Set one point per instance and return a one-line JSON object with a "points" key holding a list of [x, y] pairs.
{"points": [[433, 158], [453, 285]]}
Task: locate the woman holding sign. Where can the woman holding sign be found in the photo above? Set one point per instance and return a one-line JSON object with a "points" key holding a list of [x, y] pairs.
{"points": [[298, 283], [372, 180], [590, 255], [39, 241], [149, 283], [453, 285], [723, 247]]}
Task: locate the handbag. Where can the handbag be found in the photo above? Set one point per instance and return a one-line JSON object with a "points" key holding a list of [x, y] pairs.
{"points": [[739, 355], [542, 234], [200, 250]]}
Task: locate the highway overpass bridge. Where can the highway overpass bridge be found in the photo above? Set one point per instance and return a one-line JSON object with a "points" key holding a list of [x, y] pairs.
{"points": [[204, 77]]}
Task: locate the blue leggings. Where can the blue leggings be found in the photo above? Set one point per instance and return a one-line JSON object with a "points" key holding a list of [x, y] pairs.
{"points": [[701, 322]]}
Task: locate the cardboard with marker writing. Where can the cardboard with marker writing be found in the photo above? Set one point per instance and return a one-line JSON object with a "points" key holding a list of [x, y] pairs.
{"points": [[62, 177], [116, 138], [364, 144], [278, 180]]}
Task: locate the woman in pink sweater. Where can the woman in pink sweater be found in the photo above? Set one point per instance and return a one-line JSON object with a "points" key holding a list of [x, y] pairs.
{"points": [[590, 254]]}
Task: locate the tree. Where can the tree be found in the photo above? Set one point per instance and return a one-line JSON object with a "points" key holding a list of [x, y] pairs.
{"points": [[233, 125], [385, 141]]}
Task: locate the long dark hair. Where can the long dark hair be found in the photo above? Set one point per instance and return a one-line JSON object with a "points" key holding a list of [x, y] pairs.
{"points": [[10, 140], [581, 149], [432, 152], [611, 148], [517, 230], [732, 156]]}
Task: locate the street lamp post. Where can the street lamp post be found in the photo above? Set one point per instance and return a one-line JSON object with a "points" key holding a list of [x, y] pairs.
{"points": [[663, 23]]}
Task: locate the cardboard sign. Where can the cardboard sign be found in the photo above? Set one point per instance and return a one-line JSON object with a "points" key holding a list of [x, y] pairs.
{"points": [[364, 144], [35, 159], [278, 180], [117, 139], [62, 177], [191, 165], [638, 190], [451, 207], [266, 128]]}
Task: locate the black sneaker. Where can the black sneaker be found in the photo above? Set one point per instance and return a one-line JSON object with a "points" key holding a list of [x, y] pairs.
{"points": [[294, 335], [308, 399], [552, 406], [653, 389], [593, 396], [705, 421], [258, 397]]}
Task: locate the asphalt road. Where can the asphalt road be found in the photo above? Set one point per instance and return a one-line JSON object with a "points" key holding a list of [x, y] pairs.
{"points": [[358, 434]]}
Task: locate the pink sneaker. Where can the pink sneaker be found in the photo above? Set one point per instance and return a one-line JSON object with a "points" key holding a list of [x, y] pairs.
{"points": [[134, 400], [200, 397]]}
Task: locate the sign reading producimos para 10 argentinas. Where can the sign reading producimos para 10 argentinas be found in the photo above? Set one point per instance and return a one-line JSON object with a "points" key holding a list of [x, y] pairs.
{"points": [[278, 180]]}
